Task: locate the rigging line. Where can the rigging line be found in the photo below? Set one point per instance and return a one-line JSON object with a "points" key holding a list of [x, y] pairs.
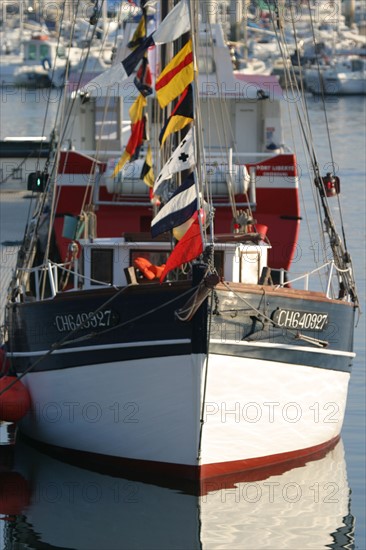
{"points": [[44, 125], [205, 377], [53, 203], [335, 242], [14, 170], [58, 151], [311, 163], [321, 84], [301, 80], [201, 162], [67, 69], [198, 141], [72, 30], [73, 101], [48, 98], [290, 76], [57, 345], [289, 112], [303, 97], [92, 177], [71, 36], [64, 341], [223, 127], [129, 321], [26, 252], [296, 334], [291, 80], [53, 74], [301, 93]]}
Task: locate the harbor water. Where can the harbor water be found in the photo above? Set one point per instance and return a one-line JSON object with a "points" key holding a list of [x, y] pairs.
{"points": [[47, 503]]}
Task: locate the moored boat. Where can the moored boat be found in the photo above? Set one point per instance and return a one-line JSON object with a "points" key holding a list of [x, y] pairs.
{"points": [[42, 64], [343, 77], [226, 365]]}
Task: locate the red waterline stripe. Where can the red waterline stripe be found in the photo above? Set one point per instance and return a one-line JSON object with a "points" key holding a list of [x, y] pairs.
{"points": [[208, 475], [208, 471]]}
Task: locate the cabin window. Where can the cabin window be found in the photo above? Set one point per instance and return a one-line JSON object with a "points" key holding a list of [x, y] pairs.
{"points": [[357, 64], [32, 52], [61, 52], [101, 268], [44, 51]]}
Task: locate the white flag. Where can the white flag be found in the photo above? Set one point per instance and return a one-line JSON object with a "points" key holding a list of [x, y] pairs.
{"points": [[174, 25], [112, 77], [181, 159]]}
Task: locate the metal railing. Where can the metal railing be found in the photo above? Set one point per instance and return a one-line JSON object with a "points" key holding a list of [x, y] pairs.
{"points": [[51, 271], [330, 266]]}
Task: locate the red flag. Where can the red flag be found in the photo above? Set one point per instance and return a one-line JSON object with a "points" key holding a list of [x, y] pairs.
{"points": [[133, 146], [137, 133], [188, 248]]}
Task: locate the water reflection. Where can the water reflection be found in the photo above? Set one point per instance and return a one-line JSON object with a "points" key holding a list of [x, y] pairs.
{"points": [[46, 503]]}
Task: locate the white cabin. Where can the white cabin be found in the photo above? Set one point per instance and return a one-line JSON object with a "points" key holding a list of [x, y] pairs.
{"points": [[106, 261]]}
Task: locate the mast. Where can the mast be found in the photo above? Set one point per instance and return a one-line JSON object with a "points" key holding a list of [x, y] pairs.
{"points": [[342, 258], [349, 11]]}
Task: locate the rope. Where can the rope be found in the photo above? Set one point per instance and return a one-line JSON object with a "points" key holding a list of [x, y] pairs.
{"points": [[296, 335], [65, 275], [205, 377], [14, 170], [339, 250], [66, 339]]}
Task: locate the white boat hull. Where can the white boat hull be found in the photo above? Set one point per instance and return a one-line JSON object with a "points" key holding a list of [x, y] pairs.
{"points": [[343, 84], [335, 82], [149, 410]]}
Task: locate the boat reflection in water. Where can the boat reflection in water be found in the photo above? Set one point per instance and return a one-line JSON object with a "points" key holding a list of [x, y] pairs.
{"points": [[48, 502]]}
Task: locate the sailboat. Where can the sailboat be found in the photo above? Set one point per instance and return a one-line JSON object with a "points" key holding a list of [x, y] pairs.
{"points": [[153, 319]]}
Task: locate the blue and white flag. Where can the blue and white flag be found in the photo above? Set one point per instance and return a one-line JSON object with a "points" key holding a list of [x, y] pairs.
{"points": [[180, 207], [181, 159]]}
